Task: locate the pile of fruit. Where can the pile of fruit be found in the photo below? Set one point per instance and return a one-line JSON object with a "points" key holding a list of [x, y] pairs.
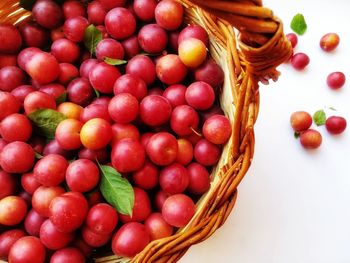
{"points": [[110, 125]]}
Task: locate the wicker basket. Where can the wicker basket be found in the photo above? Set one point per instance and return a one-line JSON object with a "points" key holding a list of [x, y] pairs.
{"points": [[248, 57]]}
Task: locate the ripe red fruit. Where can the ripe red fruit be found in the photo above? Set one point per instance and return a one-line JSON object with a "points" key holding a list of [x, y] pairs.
{"points": [[199, 179], [10, 39], [53, 239], [128, 155], [130, 239], [13, 209], [122, 131], [96, 13], [93, 239], [152, 38], [210, 72], [47, 13], [15, 127], [123, 108], [143, 67], [68, 211], [300, 60], [11, 77], [155, 110], [102, 219], [75, 27], [38, 100], [170, 69], [42, 198], [109, 48], [169, 14], [146, 177], [68, 254], [29, 183], [96, 134], [65, 50], [50, 170], [103, 76], [206, 153], [158, 227], [162, 148], [8, 104], [141, 209], [175, 94], [184, 120], [300, 121], [17, 157], [131, 47], [80, 91], [194, 31], [33, 222], [329, 42], [120, 23], [82, 175], [200, 95], [174, 178], [43, 68], [8, 184], [7, 239], [217, 129], [310, 139], [293, 39], [144, 9], [336, 80], [335, 124], [178, 210], [27, 250], [132, 84]]}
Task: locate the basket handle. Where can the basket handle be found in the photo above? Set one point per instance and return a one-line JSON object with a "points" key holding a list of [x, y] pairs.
{"points": [[262, 41]]}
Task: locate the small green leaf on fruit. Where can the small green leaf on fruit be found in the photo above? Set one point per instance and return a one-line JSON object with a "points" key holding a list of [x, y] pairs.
{"points": [[27, 4], [115, 62], [92, 36], [38, 155], [46, 121], [298, 24], [116, 190], [319, 117], [296, 135], [62, 98], [97, 93]]}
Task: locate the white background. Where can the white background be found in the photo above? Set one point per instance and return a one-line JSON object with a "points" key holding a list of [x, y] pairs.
{"points": [[294, 205]]}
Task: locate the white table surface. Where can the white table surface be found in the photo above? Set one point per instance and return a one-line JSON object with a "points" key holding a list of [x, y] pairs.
{"points": [[294, 205]]}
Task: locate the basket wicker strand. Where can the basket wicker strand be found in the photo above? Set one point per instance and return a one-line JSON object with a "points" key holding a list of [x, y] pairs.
{"points": [[247, 57]]}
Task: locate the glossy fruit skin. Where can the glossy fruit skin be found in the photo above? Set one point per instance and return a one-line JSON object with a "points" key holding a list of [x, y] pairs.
{"points": [[174, 178], [300, 121], [53, 239], [38, 100], [15, 127], [80, 91], [143, 67], [194, 31], [211, 73], [103, 76], [199, 179], [68, 254], [34, 35], [144, 9], [169, 14], [155, 110], [27, 250], [42, 198], [50, 170], [13, 209], [74, 28], [178, 210], [96, 134], [192, 52], [123, 108], [12, 157], [157, 227], [47, 13], [329, 42], [102, 219], [130, 239], [175, 94], [184, 119], [170, 69], [131, 46], [206, 153], [128, 155], [96, 13], [68, 211], [146, 177], [109, 48], [65, 50], [142, 207], [33, 222], [8, 184], [7, 239], [162, 148], [152, 38], [293, 38], [8, 104], [29, 183], [300, 60], [123, 131], [217, 129], [336, 80], [10, 39], [11, 77], [93, 239], [310, 139], [335, 124], [200, 95], [132, 84], [82, 175], [120, 23], [185, 151]]}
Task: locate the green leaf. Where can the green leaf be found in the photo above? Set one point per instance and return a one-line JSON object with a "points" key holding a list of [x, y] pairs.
{"points": [[116, 190], [296, 135], [298, 24], [319, 117], [46, 120], [115, 62], [38, 155], [333, 109], [97, 93], [27, 4], [92, 36], [62, 98]]}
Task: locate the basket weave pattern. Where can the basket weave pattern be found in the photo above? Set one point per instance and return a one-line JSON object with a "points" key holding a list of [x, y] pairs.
{"points": [[247, 57]]}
